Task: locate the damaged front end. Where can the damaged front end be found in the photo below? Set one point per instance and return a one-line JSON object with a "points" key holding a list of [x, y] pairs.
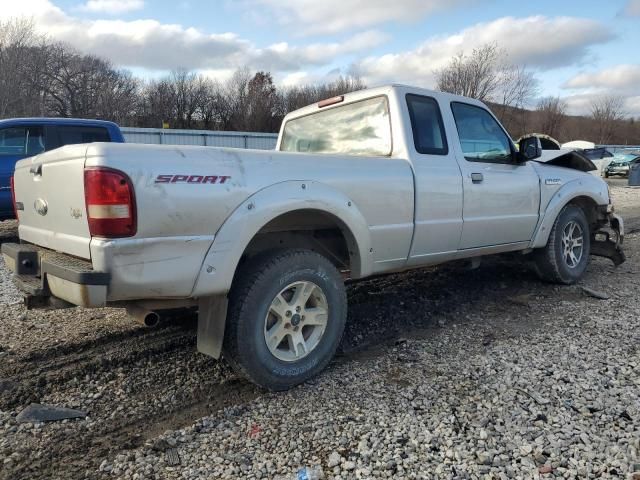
{"points": [[567, 159], [607, 240]]}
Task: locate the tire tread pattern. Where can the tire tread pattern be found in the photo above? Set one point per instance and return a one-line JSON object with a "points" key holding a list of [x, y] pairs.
{"points": [[547, 261], [246, 288]]}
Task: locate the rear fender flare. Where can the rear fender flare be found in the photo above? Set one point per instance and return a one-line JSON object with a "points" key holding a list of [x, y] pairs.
{"points": [[233, 237]]}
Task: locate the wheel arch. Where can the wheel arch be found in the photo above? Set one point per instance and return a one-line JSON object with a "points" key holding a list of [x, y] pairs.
{"points": [[271, 216], [574, 193]]}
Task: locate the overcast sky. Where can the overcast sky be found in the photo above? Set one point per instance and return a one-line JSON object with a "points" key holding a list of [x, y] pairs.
{"points": [[577, 48]]}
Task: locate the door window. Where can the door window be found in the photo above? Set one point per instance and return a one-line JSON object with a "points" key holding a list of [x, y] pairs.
{"points": [[21, 141], [481, 136], [426, 123]]}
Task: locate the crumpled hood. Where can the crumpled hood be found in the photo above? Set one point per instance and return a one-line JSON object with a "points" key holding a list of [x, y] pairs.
{"points": [[568, 159]]}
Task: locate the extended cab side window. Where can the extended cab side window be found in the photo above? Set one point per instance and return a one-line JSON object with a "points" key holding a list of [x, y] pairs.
{"points": [[21, 141], [426, 123], [71, 135], [481, 137]]}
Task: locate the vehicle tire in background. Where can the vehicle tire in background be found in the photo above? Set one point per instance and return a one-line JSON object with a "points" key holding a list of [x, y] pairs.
{"points": [[287, 312], [565, 257]]}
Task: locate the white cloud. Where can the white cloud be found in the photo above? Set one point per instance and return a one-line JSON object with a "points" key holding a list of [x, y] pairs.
{"points": [[112, 7], [538, 42], [292, 57], [331, 16], [631, 9], [632, 106], [620, 78], [580, 104], [153, 45]]}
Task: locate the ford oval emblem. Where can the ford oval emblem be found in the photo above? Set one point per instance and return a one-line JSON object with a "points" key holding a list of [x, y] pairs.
{"points": [[41, 206]]}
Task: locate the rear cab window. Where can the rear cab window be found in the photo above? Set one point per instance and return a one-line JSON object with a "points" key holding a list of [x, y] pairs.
{"points": [[76, 134], [358, 128], [481, 137]]}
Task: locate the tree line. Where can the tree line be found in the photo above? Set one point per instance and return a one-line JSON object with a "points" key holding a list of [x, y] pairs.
{"points": [[43, 78], [39, 77]]}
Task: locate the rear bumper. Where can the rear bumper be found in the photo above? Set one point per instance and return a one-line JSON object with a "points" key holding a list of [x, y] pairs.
{"points": [[45, 276]]}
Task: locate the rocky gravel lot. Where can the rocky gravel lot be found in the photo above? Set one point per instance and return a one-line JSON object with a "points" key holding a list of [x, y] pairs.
{"points": [[445, 373]]}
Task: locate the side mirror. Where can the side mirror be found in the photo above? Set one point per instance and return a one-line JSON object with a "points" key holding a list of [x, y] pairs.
{"points": [[530, 149]]}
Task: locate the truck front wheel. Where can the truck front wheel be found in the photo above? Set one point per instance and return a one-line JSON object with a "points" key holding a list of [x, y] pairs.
{"points": [[287, 311], [565, 257]]}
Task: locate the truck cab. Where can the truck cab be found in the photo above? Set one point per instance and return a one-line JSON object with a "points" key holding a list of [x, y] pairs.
{"points": [[25, 137]]}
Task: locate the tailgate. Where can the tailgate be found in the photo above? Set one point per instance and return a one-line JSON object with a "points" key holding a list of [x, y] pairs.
{"points": [[50, 201]]}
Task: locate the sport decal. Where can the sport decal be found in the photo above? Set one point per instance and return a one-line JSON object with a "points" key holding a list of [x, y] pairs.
{"points": [[194, 179]]}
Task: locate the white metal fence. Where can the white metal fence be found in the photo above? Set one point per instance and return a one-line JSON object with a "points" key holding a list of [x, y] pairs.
{"points": [[621, 148], [209, 138]]}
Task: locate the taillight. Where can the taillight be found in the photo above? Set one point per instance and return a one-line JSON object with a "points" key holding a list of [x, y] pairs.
{"points": [[13, 197], [111, 208]]}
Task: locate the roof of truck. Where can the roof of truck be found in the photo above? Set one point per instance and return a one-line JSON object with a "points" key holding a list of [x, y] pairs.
{"points": [[56, 121], [380, 90]]}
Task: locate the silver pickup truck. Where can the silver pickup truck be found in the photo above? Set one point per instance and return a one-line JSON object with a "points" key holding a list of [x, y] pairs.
{"points": [[260, 242]]}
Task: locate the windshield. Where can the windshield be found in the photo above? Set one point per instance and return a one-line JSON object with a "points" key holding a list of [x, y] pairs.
{"points": [[358, 128], [623, 157]]}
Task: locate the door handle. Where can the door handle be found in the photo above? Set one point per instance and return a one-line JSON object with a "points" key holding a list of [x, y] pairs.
{"points": [[476, 177], [36, 169]]}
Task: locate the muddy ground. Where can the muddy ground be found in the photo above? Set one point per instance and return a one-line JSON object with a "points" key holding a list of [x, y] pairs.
{"points": [[138, 385]]}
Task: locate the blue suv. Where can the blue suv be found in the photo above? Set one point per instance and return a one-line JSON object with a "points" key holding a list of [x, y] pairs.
{"points": [[25, 137]]}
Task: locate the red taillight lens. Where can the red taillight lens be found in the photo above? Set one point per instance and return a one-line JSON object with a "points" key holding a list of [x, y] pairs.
{"points": [[111, 208], [13, 197]]}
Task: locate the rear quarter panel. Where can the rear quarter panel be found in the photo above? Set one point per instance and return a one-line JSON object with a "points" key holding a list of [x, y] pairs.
{"points": [[178, 220]]}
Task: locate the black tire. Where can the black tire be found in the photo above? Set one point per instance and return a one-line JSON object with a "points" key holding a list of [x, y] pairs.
{"points": [[250, 300], [552, 265]]}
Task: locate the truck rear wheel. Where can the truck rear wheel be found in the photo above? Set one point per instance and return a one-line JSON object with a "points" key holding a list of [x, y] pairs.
{"points": [[565, 257], [287, 312]]}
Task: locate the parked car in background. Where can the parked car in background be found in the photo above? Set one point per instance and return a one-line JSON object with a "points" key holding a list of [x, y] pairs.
{"points": [[620, 164], [600, 157], [25, 137]]}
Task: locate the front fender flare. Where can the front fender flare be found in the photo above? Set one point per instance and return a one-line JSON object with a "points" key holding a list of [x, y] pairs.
{"points": [[233, 237], [560, 199]]}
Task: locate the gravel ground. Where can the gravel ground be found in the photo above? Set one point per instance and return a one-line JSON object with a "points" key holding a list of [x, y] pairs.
{"points": [[445, 373]]}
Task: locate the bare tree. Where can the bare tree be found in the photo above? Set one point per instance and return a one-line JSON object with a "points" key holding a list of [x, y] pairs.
{"points": [[475, 76], [486, 74], [552, 114], [300, 96], [210, 104], [606, 111], [18, 49], [119, 98], [516, 88]]}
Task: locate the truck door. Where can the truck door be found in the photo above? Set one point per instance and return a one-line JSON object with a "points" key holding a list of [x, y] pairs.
{"points": [[438, 184], [501, 196]]}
